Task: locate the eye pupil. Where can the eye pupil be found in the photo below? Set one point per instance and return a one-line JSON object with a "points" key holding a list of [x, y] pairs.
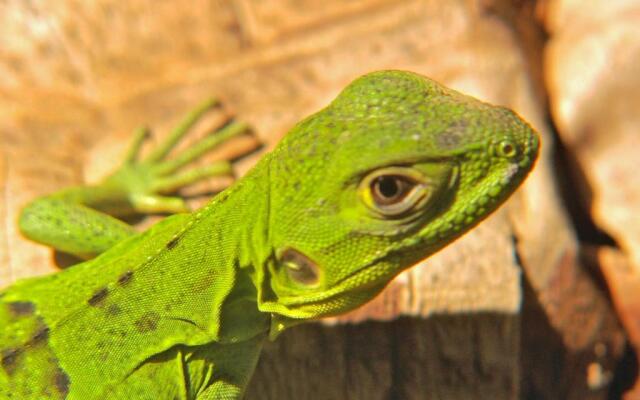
{"points": [[388, 186]]}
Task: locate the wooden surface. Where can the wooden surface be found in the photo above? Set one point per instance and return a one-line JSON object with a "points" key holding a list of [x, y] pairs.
{"points": [[515, 309]]}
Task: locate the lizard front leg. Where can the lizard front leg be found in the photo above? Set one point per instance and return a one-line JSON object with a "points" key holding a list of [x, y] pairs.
{"points": [[80, 220], [233, 365]]}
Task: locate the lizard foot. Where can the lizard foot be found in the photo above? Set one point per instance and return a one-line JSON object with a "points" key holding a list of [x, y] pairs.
{"points": [[149, 181]]}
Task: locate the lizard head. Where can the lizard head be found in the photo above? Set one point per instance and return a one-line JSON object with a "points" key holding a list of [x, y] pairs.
{"points": [[394, 169]]}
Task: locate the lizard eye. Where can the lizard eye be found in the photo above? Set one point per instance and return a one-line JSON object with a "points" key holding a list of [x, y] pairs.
{"points": [[393, 191], [300, 268]]}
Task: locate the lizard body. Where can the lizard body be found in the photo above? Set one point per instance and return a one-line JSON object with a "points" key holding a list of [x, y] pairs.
{"points": [[395, 168]]}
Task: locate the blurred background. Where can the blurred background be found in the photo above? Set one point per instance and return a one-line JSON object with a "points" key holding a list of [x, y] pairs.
{"points": [[542, 301]]}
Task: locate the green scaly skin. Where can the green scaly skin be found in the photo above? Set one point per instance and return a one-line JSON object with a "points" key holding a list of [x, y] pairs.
{"points": [[395, 168]]}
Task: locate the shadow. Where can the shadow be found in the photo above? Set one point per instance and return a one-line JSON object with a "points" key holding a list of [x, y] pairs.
{"points": [[65, 260], [577, 195]]}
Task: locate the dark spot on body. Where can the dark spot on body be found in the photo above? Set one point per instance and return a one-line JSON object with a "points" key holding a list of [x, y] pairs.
{"points": [[117, 332], [61, 382], [172, 243], [452, 136], [125, 278], [147, 322], [114, 309], [204, 283], [21, 308], [10, 359], [98, 297], [40, 336]]}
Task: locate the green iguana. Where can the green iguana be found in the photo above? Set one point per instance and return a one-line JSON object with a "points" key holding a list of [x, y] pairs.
{"points": [[394, 169]]}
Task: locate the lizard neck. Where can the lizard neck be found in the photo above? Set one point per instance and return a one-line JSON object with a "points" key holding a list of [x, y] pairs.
{"points": [[235, 224], [240, 218]]}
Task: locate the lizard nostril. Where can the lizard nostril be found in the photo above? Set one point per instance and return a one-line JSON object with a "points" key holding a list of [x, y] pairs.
{"points": [[506, 148]]}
